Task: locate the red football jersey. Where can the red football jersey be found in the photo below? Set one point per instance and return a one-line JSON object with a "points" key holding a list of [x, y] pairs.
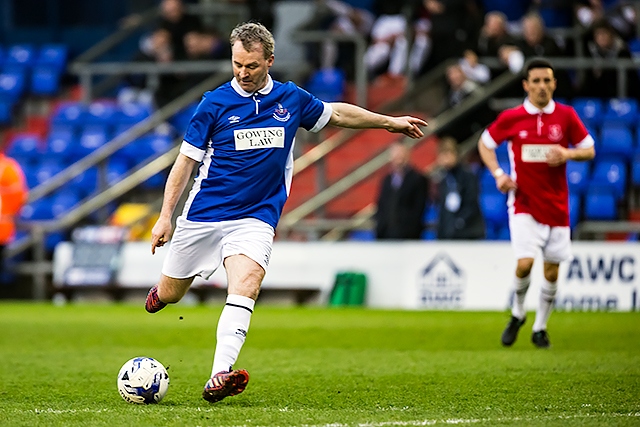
{"points": [[542, 190]]}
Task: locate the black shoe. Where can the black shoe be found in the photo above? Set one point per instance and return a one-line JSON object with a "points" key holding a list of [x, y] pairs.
{"points": [[541, 339], [511, 332]]}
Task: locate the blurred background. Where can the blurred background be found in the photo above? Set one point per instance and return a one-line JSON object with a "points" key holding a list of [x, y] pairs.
{"points": [[95, 97]]}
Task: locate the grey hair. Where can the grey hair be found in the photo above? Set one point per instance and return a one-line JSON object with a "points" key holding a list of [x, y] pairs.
{"points": [[250, 33]]}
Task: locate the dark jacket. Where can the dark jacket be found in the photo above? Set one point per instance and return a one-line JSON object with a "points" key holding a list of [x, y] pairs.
{"points": [[464, 221], [400, 212]]}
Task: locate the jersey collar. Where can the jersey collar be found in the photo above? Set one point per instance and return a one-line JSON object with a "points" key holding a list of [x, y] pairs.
{"points": [[264, 91], [532, 109]]}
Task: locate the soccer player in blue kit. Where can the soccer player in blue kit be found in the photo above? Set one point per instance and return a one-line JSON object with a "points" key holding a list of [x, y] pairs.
{"points": [[241, 136]]}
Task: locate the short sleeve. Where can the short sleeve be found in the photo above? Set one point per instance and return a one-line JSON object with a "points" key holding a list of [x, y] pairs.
{"points": [[578, 135], [496, 132], [315, 114], [199, 131]]}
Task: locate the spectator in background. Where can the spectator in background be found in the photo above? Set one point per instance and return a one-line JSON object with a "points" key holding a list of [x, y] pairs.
{"points": [[472, 69], [512, 10], [494, 35], [620, 14], [177, 24], [457, 197], [607, 46], [536, 42], [13, 196], [459, 85], [402, 199], [388, 41], [452, 23], [206, 46]]}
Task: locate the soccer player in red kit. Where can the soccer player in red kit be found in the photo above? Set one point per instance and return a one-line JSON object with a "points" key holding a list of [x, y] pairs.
{"points": [[542, 135]]}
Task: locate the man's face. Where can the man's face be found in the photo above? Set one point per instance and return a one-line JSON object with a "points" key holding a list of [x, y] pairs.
{"points": [[540, 85], [250, 68]]}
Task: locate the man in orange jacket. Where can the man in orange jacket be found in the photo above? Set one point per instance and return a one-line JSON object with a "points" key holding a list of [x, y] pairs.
{"points": [[13, 195]]}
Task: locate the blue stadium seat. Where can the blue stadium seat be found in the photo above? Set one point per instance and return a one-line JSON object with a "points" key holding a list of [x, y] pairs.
{"points": [[494, 209], [12, 85], [157, 144], [45, 81], [487, 182], [428, 235], [155, 182], [181, 119], [52, 55], [116, 170], [615, 140], [6, 108], [589, 110], [68, 116], [578, 176], [101, 113], [327, 84], [621, 111], [504, 233], [37, 210], [62, 202], [25, 146], [19, 57], [612, 174], [46, 170], [132, 113], [86, 183], [362, 236], [575, 209], [61, 147], [134, 152], [92, 138], [600, 203], [635, 170]]}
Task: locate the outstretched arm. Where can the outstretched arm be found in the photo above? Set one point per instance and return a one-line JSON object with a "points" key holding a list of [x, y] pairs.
{"points": [[354, 117], [176, 183]]}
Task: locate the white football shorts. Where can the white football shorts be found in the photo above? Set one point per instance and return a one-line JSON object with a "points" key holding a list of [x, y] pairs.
{"points": [[528, 236], [198, 248]]}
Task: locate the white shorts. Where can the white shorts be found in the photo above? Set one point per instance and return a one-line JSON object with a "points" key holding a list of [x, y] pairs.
{"points": [[198, 248], [388, 26], [528, 236]]}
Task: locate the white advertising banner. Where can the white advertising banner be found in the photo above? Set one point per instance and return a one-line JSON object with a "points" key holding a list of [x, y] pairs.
{"points": [[420, 275]]}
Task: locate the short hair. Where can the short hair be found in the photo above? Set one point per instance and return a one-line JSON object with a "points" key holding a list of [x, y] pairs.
{"points": [[536, 63], [250, 33]]}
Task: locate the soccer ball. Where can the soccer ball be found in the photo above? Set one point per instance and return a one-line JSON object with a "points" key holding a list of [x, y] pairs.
{"points": [[143, 380]]}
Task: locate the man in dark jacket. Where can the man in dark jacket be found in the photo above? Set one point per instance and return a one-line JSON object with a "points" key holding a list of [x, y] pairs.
{"points": [[402, 199], [460, 216]]}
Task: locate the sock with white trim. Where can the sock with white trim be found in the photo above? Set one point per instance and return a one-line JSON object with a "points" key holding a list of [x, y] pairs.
{"points": [[547, 295], [521, 287], [232, 331]]}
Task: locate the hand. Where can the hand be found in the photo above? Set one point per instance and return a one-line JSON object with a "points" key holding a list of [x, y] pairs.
{"points": [[557, 155], [407, 125], [160, 233], [504, 183]]}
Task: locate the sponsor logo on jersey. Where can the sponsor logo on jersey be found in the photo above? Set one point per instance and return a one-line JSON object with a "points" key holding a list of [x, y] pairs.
{"points": [[535, 153], [252, 139], [233, 119], [555, 133], [281, 114]]}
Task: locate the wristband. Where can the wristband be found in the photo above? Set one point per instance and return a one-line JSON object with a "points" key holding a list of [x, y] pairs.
{"points": [[498, 173]]}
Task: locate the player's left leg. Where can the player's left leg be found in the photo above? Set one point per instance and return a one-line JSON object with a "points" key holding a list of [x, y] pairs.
{"points": [[557, 249], [169, 290], [244, 278]]}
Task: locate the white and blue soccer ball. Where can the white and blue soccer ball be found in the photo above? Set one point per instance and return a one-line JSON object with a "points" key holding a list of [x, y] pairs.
{"points": [[143, 380]]}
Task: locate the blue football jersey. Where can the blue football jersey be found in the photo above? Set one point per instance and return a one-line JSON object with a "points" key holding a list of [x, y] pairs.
{"points": [[245, 143]]}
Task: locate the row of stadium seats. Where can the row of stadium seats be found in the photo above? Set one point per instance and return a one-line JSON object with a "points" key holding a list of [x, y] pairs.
{"points": [[25, 68], [595, 112]]}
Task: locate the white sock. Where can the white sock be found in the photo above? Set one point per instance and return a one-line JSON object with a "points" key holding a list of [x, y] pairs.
{"points": [[547, 295], [232, 331], [521, 285]]}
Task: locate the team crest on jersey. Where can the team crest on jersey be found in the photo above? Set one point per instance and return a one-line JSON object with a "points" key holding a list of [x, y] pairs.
{"points": [[555, 133], [233, 119], [281, 114]]}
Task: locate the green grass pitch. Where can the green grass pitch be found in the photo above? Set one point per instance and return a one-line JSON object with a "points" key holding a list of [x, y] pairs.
{"points": [[320, 367]]}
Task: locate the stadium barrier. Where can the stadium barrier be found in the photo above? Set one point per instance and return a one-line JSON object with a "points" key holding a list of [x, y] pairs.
{"points": [[412, 275]]}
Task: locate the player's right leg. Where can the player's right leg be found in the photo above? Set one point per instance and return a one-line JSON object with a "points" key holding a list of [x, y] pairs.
{"points": [[518, 313], [168, 291]]}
